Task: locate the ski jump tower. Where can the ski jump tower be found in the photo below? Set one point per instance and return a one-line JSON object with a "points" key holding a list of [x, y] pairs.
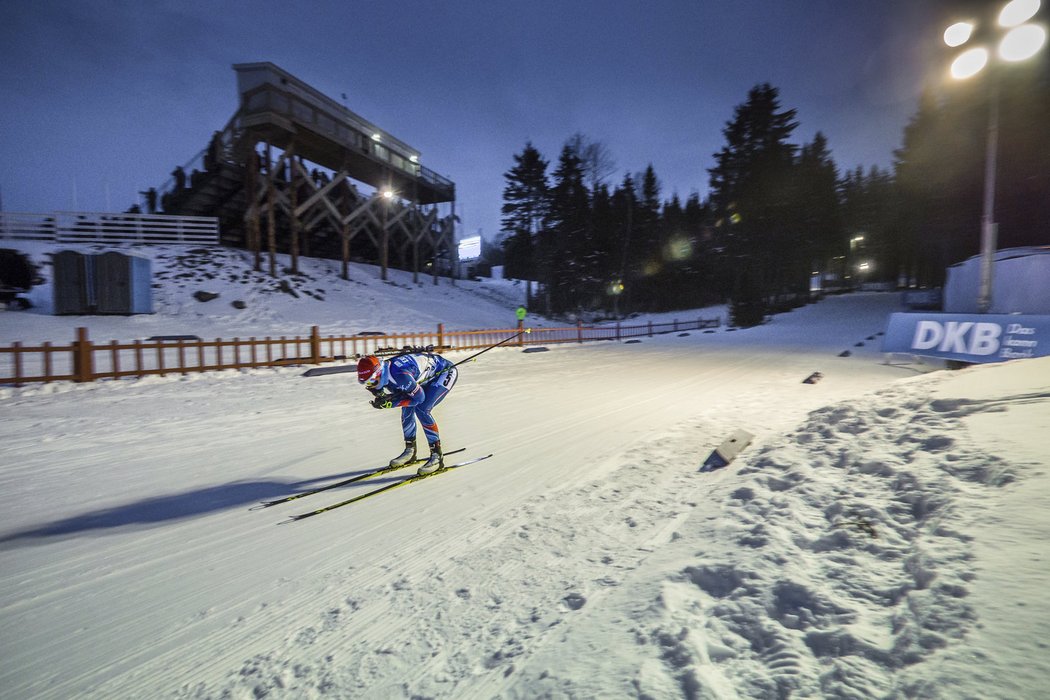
{"points": [[295, 171]]}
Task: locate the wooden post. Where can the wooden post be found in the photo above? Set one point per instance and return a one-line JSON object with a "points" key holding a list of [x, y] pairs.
{"points": [[315, 344], [346, 231], [271, 204], [47, 362], [418, 236], [160, 358], [254, 233], [579, 331], [83, 370], [182, 355], [17, 348], [293, 203], [114, 357], [441, 335], [384, 235], [451, 244], [415, 258]]}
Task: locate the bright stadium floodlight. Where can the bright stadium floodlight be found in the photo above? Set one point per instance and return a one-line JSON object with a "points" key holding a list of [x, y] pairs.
{"points": [[1022, 42], [958, 34], [1018, 12], [969, 63]]}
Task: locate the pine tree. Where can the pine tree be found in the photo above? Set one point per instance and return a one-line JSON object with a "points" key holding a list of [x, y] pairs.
{"points": [[819, 210], [647, 239], [868, 206], [526, 202], [751, 193], [624, 204], [565, 238], [606, 260], [707, 279], [938, 174]]}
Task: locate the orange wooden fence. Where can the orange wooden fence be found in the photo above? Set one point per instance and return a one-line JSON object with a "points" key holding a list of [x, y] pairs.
{"points": [[83, 360]]}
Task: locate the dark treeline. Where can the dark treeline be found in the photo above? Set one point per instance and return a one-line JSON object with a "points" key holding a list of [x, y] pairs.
{"points": [[778, 212]]}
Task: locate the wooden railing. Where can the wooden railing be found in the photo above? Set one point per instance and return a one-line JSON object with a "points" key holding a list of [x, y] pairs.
{"points": [[98, 227], [83, 360]]}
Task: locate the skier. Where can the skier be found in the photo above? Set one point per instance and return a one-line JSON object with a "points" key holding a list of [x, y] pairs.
{"points": [[415, 382]]}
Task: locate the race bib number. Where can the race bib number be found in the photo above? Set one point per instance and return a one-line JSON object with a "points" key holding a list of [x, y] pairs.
{"points": [[449, 380]]}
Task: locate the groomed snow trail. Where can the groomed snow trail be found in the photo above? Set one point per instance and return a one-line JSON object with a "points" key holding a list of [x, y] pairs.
{"points": [[132, 567]]}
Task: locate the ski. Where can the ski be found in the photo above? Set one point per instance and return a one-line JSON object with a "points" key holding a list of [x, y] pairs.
{"points": [[344, 482], [389, 487]]}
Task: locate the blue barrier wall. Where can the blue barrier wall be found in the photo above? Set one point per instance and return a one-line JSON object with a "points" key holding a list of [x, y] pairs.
{"points": [[968, 337]]}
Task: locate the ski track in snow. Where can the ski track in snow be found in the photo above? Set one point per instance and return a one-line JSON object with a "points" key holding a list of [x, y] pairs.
{"points": [[818, 564], [883, 536]]}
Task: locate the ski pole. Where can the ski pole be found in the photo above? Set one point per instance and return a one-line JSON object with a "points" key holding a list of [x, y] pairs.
{"points": [[467, 359], [494, 345]]}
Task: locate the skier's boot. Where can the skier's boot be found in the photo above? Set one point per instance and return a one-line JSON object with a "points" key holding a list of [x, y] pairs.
{"points": [[406, 457], [435, 462]]}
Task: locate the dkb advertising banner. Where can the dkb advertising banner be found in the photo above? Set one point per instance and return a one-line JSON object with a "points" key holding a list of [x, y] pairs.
{"points": [[968, 337]]}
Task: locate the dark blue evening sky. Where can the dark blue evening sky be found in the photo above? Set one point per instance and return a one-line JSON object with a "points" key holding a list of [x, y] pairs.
{"points": [[101, 99]]}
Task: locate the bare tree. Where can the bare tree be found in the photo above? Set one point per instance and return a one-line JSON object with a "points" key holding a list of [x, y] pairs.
{"points": [[596, 160]]}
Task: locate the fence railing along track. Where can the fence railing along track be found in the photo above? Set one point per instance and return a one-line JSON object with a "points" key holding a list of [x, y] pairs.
{"points": [[83, 360]]}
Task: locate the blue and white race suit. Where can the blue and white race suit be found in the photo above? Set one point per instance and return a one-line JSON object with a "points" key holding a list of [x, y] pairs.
{"points": [[420, 381]]}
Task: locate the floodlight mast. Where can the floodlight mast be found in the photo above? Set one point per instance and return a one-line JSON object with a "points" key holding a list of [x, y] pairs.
{"points": [[1022, 41]]}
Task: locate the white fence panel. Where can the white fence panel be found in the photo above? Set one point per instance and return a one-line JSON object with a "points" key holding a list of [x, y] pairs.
{"points": [[25, 226], [99, 227]]}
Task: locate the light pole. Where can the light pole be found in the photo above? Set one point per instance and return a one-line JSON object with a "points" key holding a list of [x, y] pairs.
{"points": [[1022, 40]]}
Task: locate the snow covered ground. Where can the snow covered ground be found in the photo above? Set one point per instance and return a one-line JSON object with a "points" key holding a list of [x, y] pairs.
{"points": [[883, 536]]}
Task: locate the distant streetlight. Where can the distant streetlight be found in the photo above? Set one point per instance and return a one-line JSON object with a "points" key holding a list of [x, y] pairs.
{"points": [[1022, 41]]}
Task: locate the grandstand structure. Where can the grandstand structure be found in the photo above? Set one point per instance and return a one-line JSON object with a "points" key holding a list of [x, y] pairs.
{"points": [[294, 171]]}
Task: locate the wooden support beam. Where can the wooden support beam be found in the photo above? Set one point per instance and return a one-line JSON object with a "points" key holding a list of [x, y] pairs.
{"points": [[294, 169], [271, 194], [322, 193]]}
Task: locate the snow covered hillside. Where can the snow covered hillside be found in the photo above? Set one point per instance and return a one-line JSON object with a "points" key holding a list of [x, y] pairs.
{"points": [[289, 304], [883, 536]]}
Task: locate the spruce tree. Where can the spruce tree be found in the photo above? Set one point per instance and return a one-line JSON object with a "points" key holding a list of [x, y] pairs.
{"points": [[868, 207], [624, 205], [606, 261], [647, 239], [565, 238], [751, 192], [819, 212], [526, 202]]}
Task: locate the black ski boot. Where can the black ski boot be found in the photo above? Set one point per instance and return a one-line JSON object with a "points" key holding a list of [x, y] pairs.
{"points": [[406, 457], [435, 462]]}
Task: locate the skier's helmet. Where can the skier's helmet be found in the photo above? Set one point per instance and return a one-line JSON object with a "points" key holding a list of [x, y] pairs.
{"points": [[369, 371]]}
